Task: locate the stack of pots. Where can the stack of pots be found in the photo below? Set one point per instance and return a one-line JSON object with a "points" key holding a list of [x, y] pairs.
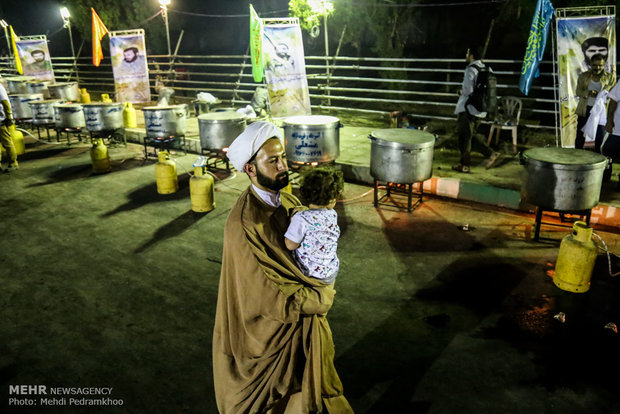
{"points": [[103, 116], [20, 103], [165, 121], [67, 91]]}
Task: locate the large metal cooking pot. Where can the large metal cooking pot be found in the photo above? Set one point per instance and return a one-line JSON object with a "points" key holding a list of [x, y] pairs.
{"points": [[69, 115], [102, 116], [17, 84], [562, 179], [43, 111], [219, 129], [20, 104], [38, 87], [312, 138], [67, 91], [165, 121], [401, 156]]}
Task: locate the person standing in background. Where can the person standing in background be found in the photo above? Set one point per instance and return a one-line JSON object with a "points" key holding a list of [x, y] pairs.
{"points": [[6, 121]]}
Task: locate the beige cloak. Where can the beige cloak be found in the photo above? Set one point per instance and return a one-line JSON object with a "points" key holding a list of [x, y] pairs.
{"points": [[271, 338]]}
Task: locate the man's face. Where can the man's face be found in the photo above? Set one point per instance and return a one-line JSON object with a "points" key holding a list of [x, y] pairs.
{"points": [[129, 55], [597, 66], [282, 50], [269, 170], [593, 50], [38, 57], [469, 57]]}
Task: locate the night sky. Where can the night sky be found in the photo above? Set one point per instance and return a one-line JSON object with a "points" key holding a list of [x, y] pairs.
{"points": [[203, 35]]}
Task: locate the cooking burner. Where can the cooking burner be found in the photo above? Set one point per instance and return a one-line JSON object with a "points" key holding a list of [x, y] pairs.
{"points": [[298, 165], [215, 157], [116, 135], [68, 131], [396, 188], [163, 143], [47, 126], [583, 215]]}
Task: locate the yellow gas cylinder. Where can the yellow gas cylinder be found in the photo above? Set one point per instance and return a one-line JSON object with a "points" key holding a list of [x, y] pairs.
{"points": [[100, 158], [84, 96], [166, 173], [288, 188], [576, 259], [18, 140], [201, 188], [129, 116], [105, 98]]}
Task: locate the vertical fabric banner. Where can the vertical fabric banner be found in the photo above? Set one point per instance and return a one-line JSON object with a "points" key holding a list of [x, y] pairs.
{"points": [[285, 70], [35, 57], [536, 44], [18, 63], [578, 40], [256, 45], [131, 74], [99, 30]]}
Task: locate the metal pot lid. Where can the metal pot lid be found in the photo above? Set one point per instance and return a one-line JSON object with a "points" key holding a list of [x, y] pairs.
{"points": [[20, 79], [25, 95], [214, 117], [311, 120], [565, 158], [164, 107], [69, 105], [105, 104], [61, 84], [403, 138], [46, 102]]}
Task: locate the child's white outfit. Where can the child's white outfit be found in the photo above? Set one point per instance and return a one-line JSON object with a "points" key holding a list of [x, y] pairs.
{"points": [[317, 232]]}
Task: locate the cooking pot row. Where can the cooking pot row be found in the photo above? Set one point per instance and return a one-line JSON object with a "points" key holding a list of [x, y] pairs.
{"points": [[67, 91]]}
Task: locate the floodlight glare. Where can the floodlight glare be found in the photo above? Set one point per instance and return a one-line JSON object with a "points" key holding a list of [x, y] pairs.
{"points": [[164, 2], [64, 12], [4, 24]]}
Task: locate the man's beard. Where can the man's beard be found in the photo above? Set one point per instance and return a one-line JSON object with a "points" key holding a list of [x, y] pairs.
{"points": [[132, 59], [276, 184]]}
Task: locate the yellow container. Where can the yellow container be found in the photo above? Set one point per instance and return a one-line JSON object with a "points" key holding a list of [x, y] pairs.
{"points": [[100, 158], [576, 259], [18, 140], [166, 173], [84, 96], [201, 190], [105, 98], [129, 116]]}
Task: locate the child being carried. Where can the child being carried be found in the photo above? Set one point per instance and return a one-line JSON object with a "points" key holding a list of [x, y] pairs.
{"points": [[313, 234]]}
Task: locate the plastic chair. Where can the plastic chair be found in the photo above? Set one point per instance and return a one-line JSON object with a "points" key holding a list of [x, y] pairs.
{"points": [[508, 114]]}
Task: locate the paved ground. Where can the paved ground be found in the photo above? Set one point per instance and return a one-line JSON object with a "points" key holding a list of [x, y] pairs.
{"points": [[105, 283]]}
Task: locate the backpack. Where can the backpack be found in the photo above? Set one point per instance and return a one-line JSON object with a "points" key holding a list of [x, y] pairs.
{"points": [[484, 96]]}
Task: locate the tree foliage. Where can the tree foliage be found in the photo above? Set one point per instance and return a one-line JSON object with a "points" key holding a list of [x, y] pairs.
{"points": [[119, 15], [309, 12]]}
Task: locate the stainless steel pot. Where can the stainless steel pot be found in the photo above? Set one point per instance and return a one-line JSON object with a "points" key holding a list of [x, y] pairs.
{"points": [[401, 156], [165, 121], [17, 84], [38, 87], [20, 104], [101, 116], [312, 138], [43, 111], [219, 129], [69, 115], [562, 179], [67, 91]]}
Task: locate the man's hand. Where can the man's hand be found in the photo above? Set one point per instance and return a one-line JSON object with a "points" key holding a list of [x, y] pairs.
{"points": [[8, 121], [609, 127]]}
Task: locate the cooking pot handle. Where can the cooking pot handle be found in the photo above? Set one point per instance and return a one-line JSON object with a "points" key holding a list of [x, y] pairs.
{"points": [[522, 159], [340, 125]]}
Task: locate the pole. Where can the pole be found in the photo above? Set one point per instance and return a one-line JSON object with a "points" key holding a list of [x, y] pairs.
{"points": [[8, 45], [165, 16], [326, 54], [77, 75]]}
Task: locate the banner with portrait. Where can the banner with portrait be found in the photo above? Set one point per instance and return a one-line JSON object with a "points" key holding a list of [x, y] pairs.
{"points": [[35, 57], [129, 66], [285, 70], [580, 38]]}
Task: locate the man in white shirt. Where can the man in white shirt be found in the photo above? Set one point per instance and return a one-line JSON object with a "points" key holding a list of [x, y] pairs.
{"points": [[468, 117], [611, 145], [6, 121]]}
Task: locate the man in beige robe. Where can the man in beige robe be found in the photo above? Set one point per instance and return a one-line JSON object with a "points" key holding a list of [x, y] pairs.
{"points": [[272, 347]]}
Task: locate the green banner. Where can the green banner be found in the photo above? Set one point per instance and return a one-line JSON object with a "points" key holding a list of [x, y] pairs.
{"points": [[256, 45]]}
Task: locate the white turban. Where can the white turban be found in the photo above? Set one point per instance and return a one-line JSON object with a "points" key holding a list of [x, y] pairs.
{"points": [[249, 142]]}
